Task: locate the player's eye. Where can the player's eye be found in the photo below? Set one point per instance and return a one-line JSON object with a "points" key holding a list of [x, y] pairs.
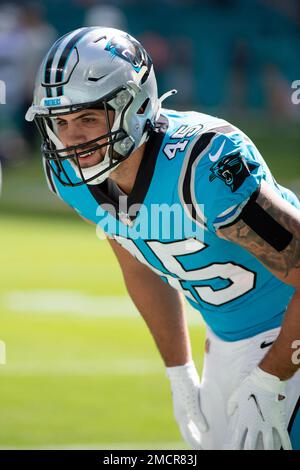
{"points": [[89, 120], [60, 123]]}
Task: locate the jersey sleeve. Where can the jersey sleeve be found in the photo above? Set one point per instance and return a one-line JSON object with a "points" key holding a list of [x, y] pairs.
{"points": [[226, 175]]}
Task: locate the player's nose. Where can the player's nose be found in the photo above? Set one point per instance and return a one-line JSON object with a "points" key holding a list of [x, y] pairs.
{"points": [[74, 136]]}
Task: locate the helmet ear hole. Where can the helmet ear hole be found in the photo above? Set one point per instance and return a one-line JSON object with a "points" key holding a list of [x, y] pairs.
{"points": [[143, 108]]}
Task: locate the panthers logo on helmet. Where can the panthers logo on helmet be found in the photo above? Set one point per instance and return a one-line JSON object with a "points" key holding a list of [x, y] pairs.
{"points": [[129, 50], [233, 170]]}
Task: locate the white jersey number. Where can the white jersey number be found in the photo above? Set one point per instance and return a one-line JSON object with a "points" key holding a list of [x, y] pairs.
{"points": [[241, 279]]}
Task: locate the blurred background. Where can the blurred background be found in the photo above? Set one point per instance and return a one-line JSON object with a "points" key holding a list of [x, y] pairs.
{"points": [[82, 370]]}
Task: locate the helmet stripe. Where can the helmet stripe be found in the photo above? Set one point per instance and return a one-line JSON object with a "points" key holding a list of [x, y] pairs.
{"points": [[48, 63], [62, 62]]}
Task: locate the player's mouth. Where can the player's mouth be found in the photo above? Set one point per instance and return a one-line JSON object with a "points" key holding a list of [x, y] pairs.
{"points": [[88, 154], [90, 158]]}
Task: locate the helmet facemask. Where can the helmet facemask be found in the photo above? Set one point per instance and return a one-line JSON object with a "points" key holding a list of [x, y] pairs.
{"points": [[116, 141]]}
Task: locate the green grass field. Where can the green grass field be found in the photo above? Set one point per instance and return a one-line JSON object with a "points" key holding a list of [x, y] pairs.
{"points": [[76, 378], [82, 370]]}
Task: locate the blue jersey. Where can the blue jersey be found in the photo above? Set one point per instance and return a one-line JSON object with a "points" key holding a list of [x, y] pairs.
{"points": [[196, 175]]}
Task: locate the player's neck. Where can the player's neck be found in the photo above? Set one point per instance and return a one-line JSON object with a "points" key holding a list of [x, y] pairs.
{"points": [[125, 174]]}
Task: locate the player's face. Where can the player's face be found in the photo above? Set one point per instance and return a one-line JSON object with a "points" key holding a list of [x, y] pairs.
{"points": [[81, 127]]}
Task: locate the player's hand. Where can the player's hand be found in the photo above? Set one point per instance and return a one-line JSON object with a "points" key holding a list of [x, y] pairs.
{"points": [[185, 386], [258, 410]]}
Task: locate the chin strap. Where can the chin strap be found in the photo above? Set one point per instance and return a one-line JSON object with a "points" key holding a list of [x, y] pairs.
{"points": [[92, 171]]}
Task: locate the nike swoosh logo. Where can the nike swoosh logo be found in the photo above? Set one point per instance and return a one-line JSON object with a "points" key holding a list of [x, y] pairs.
{"points": [[266, 345], [215, 157], [257, 405], [96, 79]]}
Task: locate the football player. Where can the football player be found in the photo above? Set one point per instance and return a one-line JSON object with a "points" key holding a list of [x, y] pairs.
{"points": [[232, 246]]}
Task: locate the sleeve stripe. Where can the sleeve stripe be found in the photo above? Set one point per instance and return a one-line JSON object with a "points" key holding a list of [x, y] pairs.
{"points": [[194, 154], [186, 179]]}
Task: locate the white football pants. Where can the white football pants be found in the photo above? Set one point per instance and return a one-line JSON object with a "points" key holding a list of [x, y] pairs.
{"points": [[226, 364]]}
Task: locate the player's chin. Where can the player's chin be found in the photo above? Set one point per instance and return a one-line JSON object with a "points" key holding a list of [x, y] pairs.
{"points": [[90, 160]]}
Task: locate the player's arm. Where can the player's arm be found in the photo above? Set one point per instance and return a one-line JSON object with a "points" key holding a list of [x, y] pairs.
{"points": [[160, 305], [87, 220], [162, 308], [269, 228]]}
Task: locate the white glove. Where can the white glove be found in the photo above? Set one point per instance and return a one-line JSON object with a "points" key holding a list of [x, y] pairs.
{"points": [[185, 387], [258, 409]]}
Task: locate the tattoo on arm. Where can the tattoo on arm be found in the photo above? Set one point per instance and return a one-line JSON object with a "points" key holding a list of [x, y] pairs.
{"points": [[279, 262]]}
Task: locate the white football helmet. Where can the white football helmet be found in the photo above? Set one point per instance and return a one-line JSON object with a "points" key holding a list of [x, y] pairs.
{"points": [[101, 68]]}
